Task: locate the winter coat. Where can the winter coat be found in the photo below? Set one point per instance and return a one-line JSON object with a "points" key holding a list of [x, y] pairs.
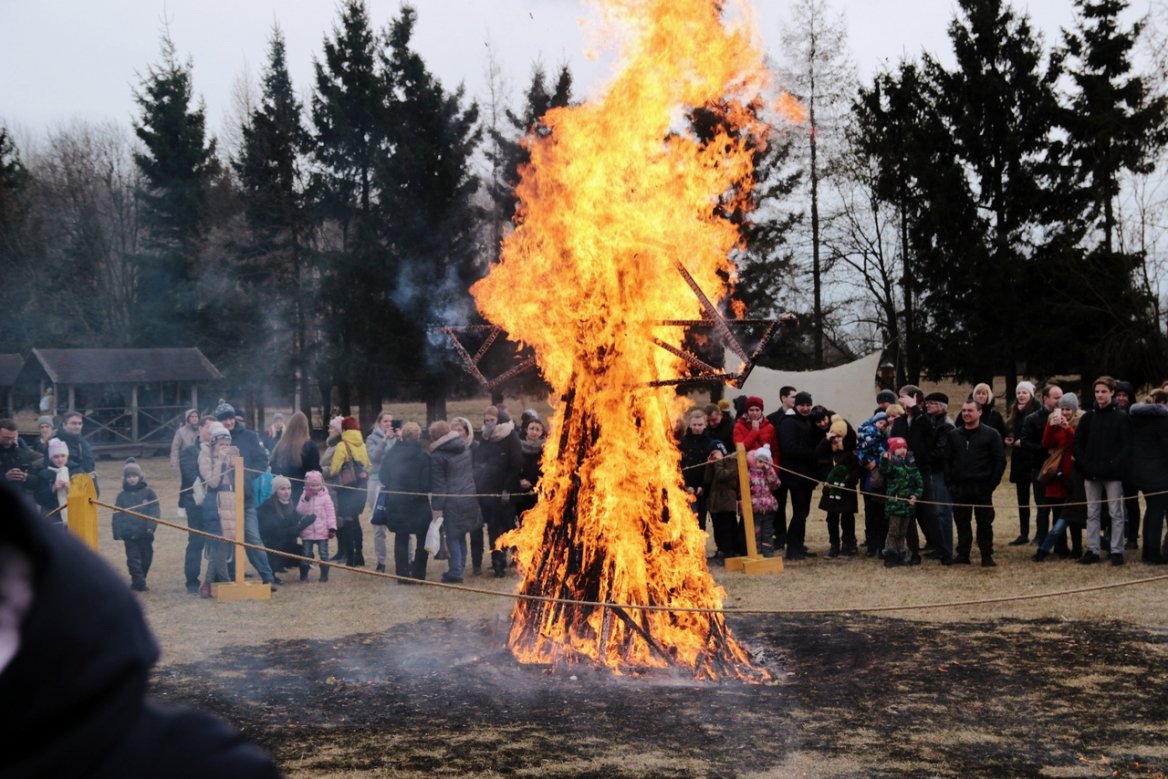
{"points": [[870, 443], [278, 522], [797, 441], [940, 449], [1033, 428], [406, 468], [309, 461], [1103, 444], [695, 450], [377, 443], [142, 500], [763, 482], [991, 417], [320, 505], [497, 462], [349, 500], [1059, 438], [902, 480], [721, 484], [80, 675], [183, 437], [839, 494], [1075, 510], [752, 439], [219, 477], [531, 470], [1148, 467], [21, 457], [255, 459], [1021, 458], [919, 434], [975, 461], [452, 475], [723, 431]]}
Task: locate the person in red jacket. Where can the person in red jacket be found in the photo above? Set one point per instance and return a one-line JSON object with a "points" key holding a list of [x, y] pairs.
{"points": [[752, 429]]}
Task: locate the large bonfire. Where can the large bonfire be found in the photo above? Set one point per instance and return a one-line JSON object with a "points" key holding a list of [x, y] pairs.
{"points": [[619, 192]]}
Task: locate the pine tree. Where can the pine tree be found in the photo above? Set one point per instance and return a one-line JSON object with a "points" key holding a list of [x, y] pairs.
{"points": [[270, 180], [177, 164], [15, 235]]}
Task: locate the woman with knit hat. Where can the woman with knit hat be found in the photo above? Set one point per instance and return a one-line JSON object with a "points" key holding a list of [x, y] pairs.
{"points": [[1021, 463], [752, 429]]}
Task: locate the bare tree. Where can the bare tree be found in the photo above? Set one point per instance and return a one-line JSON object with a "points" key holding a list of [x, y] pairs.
{"points": [[817, 70]]}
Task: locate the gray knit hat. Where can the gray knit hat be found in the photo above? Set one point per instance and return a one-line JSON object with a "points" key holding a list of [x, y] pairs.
{"points": [[1069, 401]]}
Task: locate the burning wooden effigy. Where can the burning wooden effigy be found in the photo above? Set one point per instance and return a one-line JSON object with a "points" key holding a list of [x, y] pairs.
{"points": [[617, 190]]}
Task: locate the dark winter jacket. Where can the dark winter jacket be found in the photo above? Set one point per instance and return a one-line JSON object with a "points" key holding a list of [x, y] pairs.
{"points": [[309, 461], [797, 441], [21, 457], [1021, 458], [975, 461], [406, 468], [279, 523], [1103, 444], [1032, 432], [142, 500], [497, 462], [723, 431], [531, 471], [843, 471], [1148, 469], [721, 484], [80, 678], [188, 468], [919, 434], [452, 475], [695, 449], [255, 459], [940, 449]]}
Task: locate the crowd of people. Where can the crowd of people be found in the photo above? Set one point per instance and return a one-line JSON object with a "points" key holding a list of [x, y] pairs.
{"points": [[918, 474], [924, 482]]}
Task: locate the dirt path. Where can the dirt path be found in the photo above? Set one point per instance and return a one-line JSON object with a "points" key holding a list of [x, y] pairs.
{"points": [[859, 696]]}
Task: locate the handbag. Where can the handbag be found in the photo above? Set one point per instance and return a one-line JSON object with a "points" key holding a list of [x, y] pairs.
{"points": [[1051, 467], [378, 517]]}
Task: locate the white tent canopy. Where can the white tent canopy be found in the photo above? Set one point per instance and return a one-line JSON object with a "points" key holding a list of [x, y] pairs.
{"points": [[848, 389]]}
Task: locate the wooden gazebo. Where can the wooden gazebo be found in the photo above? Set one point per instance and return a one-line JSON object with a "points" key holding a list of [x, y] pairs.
{"points": [[130, 397]]}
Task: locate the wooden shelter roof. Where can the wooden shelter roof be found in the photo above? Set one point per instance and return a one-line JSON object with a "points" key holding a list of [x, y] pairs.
{"points": [[118, 366]]}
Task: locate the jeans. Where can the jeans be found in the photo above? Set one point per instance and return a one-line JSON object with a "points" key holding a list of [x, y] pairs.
{"points": [[251, 534], [1095, 493], [944, 512], [456, 546], [1042, 511], [306, 551]]}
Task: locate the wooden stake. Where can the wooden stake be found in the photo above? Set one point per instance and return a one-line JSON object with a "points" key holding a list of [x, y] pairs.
{"points": [[240, 589]]}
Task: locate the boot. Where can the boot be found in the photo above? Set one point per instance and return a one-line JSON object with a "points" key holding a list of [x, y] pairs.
{"points": [[834, 552], [342, 540], [358, 555], [1040, 555]]}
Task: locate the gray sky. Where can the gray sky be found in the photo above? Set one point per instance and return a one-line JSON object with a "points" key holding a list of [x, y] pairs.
{"points": [[61, 59]]}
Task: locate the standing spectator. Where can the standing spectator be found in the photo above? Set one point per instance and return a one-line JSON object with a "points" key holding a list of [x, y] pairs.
{"points": [[136, 534], [350, 498], [497, 462], [1102, 447], [884, 399], [46, 431], [990, 416], [188, 463], [255, 462], [721, 483], [916, 427], [407, 475], [837, 454], [274, 432], [720, 426], [464, 428], [17, 461], [296, 454], [752, 429], [1125, 395], [1033, 428], [871, 443], [797, 441], [975, 463], [937, 406], [380, 440], [53, 495], [216, 469], [764, 480], [80, 453], [452, 472], [695, 451], [534, 439], [316, 504], [782, 493], [1021, 466], [187, 434], [1064, 491], [903, 485], [1149, 469]]}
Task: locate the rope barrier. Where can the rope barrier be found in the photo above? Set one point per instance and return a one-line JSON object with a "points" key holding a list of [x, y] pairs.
{"points": [[516, 596]]}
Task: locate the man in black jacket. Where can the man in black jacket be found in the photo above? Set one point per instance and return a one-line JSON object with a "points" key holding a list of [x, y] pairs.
{"points": [[937, 407], [498, 460], [974, 465], [1102, 444], [916, 427], [1033, 427], [797, 441]]}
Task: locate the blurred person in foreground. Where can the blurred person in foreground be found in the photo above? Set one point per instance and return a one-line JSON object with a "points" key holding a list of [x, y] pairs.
{"points": [[75, 654]]}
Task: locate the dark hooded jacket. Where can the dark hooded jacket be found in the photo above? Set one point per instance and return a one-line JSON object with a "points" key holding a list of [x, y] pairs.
{"points": [[141, 500], [1148, 469], [1103, 443], [406, 468], [452, 475], [79, 677]]}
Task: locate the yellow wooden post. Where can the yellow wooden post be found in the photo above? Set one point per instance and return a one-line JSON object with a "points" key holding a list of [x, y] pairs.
{"points": [[240, 589], [753, 562], [82, 512]]}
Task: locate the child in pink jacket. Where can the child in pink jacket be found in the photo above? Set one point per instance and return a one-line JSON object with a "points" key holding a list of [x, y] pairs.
{"points": [[318, 522]]}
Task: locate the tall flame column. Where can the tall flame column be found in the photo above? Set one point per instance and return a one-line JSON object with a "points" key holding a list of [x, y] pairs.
{"points": [[616, 193]]}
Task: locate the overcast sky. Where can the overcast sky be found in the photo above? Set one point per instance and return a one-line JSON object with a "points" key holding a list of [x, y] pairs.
{"points": [[61, 59]]}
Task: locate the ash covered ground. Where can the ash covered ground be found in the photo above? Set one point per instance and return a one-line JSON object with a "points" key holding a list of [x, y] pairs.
{"points": [[857, 696]]}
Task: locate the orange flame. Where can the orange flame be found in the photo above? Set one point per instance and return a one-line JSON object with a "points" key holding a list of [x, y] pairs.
{"points": [[616, 196]]}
